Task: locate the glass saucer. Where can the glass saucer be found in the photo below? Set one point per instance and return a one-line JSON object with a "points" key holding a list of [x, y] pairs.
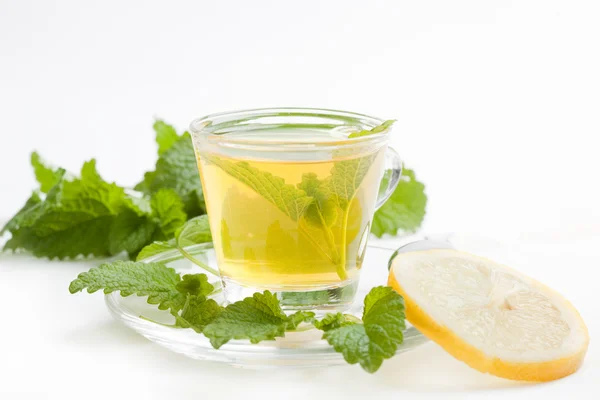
{"points": [[296, 349]]}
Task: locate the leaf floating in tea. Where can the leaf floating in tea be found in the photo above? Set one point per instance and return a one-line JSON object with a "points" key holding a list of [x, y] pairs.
{"points": [[322, 212], [290, 200], [378, 129], [346, 177]]}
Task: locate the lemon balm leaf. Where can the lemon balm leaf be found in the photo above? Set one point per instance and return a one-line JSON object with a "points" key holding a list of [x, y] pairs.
{"points": [[346, 177], [377, 338], [322, 212], [198, 312], [194, 231], [89, 216], [176, 169], [74, 219], [289, 199], [33, 201], [130, 232], [154, 280], [378, 129], [255, 318], [404, 210], [46, 176], [169, 211], [331, 321], [195, 284], [166, 136], [155, 248], [297, 318]]}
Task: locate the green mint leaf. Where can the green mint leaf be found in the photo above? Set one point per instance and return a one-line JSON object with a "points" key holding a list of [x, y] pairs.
{"points": [[346, 177], [130, 232], [378, 337], [331, 321], [195, 284], [82, 216], [323, 211], [156, 248], [14, 222], [404, 210], [195, 231], [74, 219], [166, 136], [290, 200], [378, 129], [176, 169], [169, 211], [297, 318], [197, 313], [46, 176], [154, 280], [255, 318]]}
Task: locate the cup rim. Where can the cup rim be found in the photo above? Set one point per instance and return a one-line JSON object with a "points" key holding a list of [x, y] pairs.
{"points": [[206, 126]]}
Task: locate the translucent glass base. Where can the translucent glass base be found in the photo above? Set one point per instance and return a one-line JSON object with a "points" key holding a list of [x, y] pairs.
{"points": [[323, 299]]}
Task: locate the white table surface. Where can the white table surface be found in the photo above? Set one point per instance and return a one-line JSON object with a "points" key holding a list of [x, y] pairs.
{"points": [[497, 106], [58, 345]]}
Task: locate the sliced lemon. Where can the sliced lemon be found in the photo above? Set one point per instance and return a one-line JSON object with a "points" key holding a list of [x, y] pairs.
{"points": [[489, 316]]}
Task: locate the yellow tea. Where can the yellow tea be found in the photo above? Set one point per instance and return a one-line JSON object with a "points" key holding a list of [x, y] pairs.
{"points": [[291, 224]]}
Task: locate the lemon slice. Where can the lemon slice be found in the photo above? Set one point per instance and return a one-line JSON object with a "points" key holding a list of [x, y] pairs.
{"points": [[489, 316]]}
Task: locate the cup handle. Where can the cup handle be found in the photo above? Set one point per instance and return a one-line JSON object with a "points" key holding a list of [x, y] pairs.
{"points": [[393, 163]]}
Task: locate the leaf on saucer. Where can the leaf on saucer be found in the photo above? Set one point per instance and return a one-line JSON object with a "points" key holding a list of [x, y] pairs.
{"points": [[378, 337], [154, 280], [195, 285], [198, 312], [255, 318]]}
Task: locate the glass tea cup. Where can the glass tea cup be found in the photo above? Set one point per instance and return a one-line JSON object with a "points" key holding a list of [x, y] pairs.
{"points": [[290, 200]]}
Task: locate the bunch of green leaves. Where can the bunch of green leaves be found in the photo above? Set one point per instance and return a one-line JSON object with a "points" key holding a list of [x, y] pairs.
{"points": [[85, 215], [70, 216], [188, 298]]}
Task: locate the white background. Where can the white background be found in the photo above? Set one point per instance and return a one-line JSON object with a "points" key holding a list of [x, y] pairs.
{"points": [[497, 105]]}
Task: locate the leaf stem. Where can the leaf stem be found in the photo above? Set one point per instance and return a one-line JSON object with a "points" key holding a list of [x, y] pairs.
{"points": [[330, 239], [314, 243], [341, 267], [197, 262]]}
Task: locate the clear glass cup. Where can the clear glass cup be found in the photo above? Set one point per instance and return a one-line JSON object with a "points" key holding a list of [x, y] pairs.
{"points": [[290, 199]]}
